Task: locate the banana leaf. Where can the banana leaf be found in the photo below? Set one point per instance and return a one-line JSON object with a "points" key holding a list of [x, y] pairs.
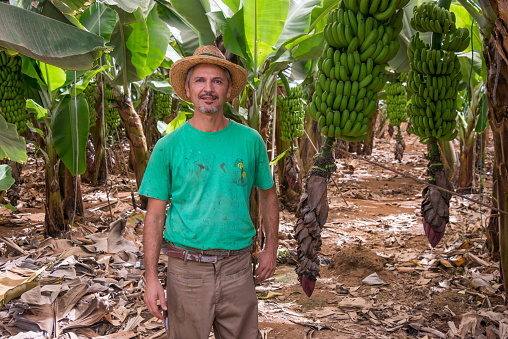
{"points": [[298, 19], [186, 36], [48, 40], [233, 34], [271, 16], [140, 45], [6, 179], [194, 12], [12, 146], [70, 134], [90, 20]]}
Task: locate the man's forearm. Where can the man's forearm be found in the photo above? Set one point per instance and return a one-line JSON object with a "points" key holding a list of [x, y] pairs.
{"points": [[152, 237], [270, 212]]}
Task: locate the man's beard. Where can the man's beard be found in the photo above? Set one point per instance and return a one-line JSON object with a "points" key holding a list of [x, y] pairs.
{"points": [[206, 109]]}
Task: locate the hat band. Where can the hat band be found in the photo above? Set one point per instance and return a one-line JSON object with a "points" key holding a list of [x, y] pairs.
{"points": [[209, 54]]}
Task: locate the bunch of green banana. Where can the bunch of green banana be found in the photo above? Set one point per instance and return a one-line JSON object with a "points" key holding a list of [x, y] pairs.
{"points": [[361, 36], [89, 94], [162, 105], [292, 115], [12, 92], [456, 42], [429, 18], [435, 62], [434, 80], [396, 102], [112, 115]]}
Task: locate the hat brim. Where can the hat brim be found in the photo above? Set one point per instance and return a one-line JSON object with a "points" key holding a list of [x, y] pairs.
{"points": [[178, 73]]}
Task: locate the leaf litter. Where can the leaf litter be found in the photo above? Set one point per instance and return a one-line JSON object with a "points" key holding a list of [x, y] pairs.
{"points": [[379, 277]]}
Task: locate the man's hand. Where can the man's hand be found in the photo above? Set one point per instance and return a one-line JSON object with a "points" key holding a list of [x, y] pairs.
{"points": [[267, 263], [155, 293]]}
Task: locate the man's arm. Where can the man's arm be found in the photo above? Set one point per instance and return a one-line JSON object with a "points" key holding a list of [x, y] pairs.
{"points": [[152, 242], [267, 258]]}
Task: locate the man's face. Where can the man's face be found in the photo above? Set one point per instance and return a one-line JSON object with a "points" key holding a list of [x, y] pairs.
{"points": [[208, 88]]}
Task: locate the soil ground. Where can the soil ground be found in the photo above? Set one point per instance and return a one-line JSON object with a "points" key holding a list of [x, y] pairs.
{"points": [[373, 228]]}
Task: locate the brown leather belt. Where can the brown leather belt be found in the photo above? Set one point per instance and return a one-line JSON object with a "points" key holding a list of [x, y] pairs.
{"points": [[203, 256]]}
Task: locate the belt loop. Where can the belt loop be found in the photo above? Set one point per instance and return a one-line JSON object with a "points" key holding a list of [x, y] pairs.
{"points": [[185, 257], [215, 259], [229, 253], [199, 257]]}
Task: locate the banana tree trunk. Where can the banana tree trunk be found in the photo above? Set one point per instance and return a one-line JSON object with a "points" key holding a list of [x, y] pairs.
{"points": [[95, 161], [496, 89], [134, 130], [467, 154], [368, 143], [480, 148], [449, 158], [466, 161], [55, 225], [72, 191]]}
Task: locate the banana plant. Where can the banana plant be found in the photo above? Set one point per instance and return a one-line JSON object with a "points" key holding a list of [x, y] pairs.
{"points": [[62, 128]]}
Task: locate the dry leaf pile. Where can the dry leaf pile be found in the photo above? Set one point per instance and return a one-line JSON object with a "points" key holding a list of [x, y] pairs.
{"points": [[89, 287]]}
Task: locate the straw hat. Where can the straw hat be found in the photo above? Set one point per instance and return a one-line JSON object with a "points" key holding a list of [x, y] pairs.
{"points": [[206, 55]]}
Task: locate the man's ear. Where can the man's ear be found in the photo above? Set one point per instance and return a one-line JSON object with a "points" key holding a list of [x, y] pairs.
{"points": [[230, 88], [187, 91]]}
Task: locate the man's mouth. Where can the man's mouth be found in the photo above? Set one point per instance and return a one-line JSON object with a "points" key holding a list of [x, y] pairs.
{"points": [[208, 97]]}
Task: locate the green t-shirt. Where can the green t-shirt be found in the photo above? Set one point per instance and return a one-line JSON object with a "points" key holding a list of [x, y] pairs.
{"points": [[208, 176]]}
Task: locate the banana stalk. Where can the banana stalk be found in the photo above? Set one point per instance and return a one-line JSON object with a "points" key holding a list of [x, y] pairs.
{"points": [[312, 214]]}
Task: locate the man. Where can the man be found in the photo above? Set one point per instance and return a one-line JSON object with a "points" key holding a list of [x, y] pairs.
{"points": [[207, 168]]}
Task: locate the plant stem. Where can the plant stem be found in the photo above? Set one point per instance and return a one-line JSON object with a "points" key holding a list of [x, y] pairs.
{"points": [[437, 38], [327, 146]]}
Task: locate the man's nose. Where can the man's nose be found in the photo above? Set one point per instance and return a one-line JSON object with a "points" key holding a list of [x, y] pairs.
{"points": [[208, 85]]}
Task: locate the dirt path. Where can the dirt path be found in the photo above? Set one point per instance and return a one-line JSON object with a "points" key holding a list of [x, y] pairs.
{"points": [[374, 227]]}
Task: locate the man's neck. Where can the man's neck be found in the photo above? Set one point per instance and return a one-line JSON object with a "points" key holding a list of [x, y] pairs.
{"points": [[209, 122]]}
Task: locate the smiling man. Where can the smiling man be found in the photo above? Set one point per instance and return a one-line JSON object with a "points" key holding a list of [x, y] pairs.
{"points": [[207, 168]]}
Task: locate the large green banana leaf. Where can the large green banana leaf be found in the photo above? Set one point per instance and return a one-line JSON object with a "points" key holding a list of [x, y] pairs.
{"points": [[6, 179], [70, 134], [233, 32], [131, 6], [319, 13], [234, 5], [90, 20], [270, 16], [48, 40], [12, 146], [298, 19], [194, 12], [186, 36], [140, 44]]}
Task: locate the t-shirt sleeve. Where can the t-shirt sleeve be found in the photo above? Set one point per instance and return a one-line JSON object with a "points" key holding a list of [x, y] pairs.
{"points": [[264, 179], [157, 180]]}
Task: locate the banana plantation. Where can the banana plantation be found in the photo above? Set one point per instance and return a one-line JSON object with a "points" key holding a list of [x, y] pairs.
{"points": [[384, 123]]}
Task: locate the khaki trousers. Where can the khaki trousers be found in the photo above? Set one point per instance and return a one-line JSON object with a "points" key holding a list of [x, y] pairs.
{"points": [[205, 295]]}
